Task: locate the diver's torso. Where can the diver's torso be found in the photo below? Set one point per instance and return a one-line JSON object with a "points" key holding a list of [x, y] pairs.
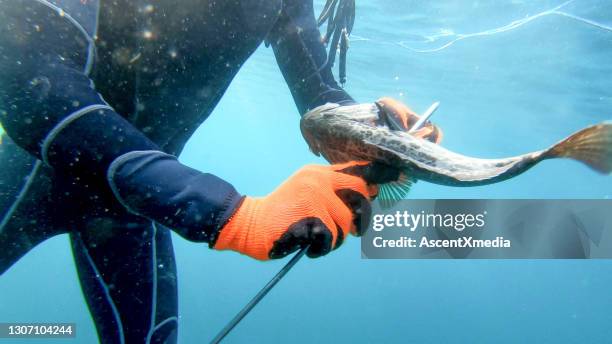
{"points": [[165, 64]]}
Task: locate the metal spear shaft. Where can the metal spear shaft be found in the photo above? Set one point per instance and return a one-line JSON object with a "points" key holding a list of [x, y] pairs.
{"points": [[266, 289]]}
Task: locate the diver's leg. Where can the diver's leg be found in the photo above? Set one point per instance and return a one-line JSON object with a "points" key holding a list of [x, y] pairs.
{"points": [[30, 203], [128, 277]]}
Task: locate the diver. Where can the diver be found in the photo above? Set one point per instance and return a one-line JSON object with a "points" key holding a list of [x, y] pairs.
{"points": [[98, 98]]}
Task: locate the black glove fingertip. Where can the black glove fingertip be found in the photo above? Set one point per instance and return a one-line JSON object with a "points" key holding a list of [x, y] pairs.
{"points": [[321, 240], [360, 207]]}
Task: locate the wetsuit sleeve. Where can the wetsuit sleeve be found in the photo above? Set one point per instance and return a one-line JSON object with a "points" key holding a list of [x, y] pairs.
{"points": [[302, 58], [50, 107]]}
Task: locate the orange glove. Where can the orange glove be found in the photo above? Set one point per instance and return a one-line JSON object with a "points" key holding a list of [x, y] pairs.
{"points": [[402, 115], [316, 206]]}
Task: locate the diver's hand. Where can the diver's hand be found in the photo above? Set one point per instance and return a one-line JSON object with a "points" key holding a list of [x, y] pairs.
{"points": [[400, 114], [317, 206]]}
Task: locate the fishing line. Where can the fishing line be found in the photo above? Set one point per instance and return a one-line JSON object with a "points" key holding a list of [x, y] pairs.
{"points": [[456, 37]]}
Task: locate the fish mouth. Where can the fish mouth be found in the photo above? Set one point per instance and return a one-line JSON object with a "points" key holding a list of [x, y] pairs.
{"points": [[389, 120], [386, 120]]}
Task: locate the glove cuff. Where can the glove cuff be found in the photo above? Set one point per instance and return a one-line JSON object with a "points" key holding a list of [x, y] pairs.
{"points": [[155, 185]]}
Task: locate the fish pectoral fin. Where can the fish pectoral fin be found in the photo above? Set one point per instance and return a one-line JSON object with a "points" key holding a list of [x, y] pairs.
{"points": [[390, 193]]}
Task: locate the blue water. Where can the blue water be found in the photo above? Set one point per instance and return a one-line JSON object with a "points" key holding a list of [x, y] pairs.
{"points": [[503, 92]]}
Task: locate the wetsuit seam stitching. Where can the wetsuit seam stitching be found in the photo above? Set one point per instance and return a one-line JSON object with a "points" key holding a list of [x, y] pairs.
{"points": [[21, 195], [117, 163], [64, 14], [154, 290], [164, 322], [106, 291], [63, 124]]}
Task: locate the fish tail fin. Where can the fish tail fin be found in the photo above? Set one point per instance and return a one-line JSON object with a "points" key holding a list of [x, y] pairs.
{"points": [[591, 146]]}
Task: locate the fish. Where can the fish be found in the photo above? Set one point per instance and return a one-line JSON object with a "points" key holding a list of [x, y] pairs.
{"points": [[363, 133]]}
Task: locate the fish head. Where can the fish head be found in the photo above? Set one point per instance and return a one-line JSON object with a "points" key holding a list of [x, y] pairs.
{"points": [[324, 123]]}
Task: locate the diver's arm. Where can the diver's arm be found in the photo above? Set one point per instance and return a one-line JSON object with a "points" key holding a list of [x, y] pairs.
{"points": [[49, 107], [301, 55]]}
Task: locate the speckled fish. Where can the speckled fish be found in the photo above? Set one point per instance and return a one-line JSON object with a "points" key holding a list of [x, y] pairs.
{"points": [[351, 133]]}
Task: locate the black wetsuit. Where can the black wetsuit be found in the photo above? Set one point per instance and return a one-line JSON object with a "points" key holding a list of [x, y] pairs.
{"points": [[97, 97]]}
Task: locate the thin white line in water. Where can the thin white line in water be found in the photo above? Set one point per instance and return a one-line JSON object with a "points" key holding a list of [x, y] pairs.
{"points": [[461, 36]]}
